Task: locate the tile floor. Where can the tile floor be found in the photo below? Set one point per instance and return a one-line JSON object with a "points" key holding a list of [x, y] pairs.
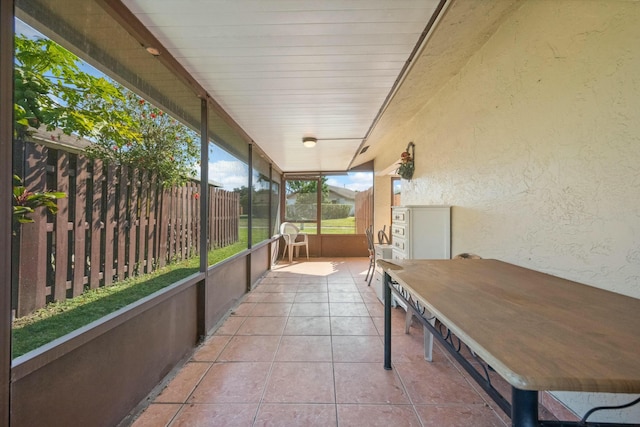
{"points": [[304, 348]]}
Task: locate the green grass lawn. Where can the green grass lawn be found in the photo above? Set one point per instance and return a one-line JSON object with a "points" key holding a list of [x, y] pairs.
{"points": [[60, 318], [332, 226], [339, 226]]}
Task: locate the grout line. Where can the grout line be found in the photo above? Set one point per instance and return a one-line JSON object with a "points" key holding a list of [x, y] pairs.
{"points": [[362, 291], [268, 378], [333, 368], [175, 415]]}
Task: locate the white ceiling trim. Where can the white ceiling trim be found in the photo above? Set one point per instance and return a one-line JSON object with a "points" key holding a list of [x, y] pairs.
{"points": [[284, 69]]}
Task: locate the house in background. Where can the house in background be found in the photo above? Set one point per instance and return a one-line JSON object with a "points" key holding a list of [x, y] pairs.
{"points": [[335, 195], [342, 196]]}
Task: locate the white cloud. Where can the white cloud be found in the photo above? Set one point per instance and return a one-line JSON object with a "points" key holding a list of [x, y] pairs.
{"points": [[357, 181], [231, 174]]}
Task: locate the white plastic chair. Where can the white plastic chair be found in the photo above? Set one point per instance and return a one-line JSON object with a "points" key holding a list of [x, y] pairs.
{"points": [[290, 234]]}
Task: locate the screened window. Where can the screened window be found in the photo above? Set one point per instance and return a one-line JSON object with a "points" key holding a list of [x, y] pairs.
{"points": [[228, 204], [347, 203], [106, 194], [301, 203]]}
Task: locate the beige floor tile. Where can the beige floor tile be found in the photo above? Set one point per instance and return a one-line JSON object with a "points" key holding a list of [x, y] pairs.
{"points": [[262, 326], [349, 297], [227, 415], [278, 297], [211, 348], [278, 288], [308, 326], [375, 308], [185, 381], [241, 382], [313, 280], [254, 297], [355, 415], [271, 309], [371, 297], [312, 297], [368, 383], [342, 287], [397, 323], [310, 309], [243, 309], [407, 348], [230, 325], [312, 287], [304, 349], [300, 382], [341, 280], [348, 309], [458, 415], [357, 349], [157, 415], [350, 325], [296, 415], [250, 349], [287, 362], [436, 383]]}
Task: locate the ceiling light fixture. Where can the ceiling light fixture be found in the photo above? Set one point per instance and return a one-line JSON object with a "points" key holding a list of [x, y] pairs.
{"points": [[309, 141], [153, 51]]}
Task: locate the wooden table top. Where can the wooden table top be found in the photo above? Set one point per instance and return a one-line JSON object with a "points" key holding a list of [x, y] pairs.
{"points": [[538, 331]]}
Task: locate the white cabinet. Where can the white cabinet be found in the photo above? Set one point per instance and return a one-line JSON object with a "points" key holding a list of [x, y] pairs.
{"points": [[421, 232], [382, 252]]}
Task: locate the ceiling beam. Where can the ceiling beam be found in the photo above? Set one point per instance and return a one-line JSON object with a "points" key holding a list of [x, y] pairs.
{"points": [[420, 44]]}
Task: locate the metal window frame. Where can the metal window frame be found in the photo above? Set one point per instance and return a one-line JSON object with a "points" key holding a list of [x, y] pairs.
{"points": [[7, 29]]}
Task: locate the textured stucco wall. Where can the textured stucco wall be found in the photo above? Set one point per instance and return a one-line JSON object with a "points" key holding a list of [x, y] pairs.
{"points": [[536, 144], [382, 197]]}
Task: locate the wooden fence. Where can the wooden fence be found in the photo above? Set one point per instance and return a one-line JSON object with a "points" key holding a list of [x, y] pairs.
{"points": [[115, 223], [364, 210]]}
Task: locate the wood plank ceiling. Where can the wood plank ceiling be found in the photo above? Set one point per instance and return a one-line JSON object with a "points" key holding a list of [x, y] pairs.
{"points": [[286, 69]]}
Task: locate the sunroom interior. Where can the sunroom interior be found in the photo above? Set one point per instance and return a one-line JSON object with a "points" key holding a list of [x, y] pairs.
{"points": [[523, 115]]}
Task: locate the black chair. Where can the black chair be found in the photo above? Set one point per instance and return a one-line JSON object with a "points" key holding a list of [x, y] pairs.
{"points": [[372, 255]]}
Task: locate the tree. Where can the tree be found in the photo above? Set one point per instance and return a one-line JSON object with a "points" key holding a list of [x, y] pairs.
{"points": [[307, 187], [160, 143], [244, 198], [52, 90]]}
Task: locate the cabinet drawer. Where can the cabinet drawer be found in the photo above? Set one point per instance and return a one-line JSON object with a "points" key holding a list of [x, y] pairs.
{"points": [[399, 245], [398, 230], [383, 251], [398, 255], [399, 215]]}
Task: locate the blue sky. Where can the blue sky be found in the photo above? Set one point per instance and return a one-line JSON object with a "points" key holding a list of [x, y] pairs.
{"points": [[358, 181], [231, 173]]}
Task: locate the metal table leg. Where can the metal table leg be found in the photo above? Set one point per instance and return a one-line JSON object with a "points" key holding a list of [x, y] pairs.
{"points": [[387, 321], [524, 408]]}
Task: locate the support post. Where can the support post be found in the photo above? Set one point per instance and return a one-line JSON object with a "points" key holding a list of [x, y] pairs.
{"points": [[250, 220], [203, 328], [6, 201], [387, 321]]}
